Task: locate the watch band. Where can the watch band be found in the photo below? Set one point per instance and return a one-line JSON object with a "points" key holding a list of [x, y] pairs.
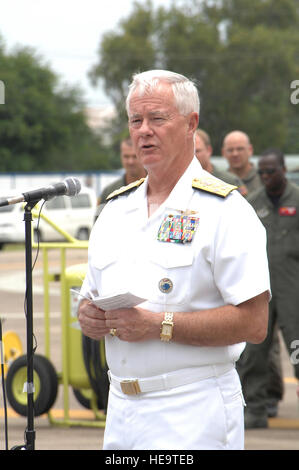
{"points": [[167, 327]]}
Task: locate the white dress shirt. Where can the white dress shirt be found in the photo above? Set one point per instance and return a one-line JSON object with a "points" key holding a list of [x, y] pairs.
{"points": [[225, 263]]}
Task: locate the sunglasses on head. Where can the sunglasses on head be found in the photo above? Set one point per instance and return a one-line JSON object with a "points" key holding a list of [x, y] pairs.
{"points": [[267, 171]]}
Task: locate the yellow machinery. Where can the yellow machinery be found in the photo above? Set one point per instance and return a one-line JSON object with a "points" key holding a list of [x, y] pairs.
{"points": [[12, 349], [73, 372]]}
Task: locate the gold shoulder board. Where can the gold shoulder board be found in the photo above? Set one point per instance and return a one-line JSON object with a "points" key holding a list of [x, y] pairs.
{"points": [[213, 185], [125, 189]]}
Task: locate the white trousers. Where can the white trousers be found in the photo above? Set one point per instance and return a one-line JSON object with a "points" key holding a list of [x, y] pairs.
{"points": [[206, 415]]}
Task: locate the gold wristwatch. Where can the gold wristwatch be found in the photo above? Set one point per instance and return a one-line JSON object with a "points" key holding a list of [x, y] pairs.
{"points": [[167, 327]]}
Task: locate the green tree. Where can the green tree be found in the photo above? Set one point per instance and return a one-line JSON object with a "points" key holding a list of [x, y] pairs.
{"points": [[122, 53], [43, 126], [242, 53], [259, 54]]}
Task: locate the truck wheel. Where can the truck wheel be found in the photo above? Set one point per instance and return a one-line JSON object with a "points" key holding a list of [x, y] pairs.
{"points": [[45, 382], [82, 234]]}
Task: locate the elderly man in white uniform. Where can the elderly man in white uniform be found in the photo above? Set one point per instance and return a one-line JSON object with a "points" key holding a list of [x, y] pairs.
{"points": [[193, 250]]}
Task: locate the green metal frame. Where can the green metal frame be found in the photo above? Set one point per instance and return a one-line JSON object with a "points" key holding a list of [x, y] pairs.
{"points": [[64, 379]]}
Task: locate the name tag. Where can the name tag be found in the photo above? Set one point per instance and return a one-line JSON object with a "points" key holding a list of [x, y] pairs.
{"points": [[287, 211], [178, 228]]}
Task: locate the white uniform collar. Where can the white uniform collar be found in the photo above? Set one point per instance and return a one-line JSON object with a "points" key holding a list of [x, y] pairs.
{"points": [[179, 197]]}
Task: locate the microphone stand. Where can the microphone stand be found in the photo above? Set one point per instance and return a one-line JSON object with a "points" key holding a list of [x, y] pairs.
{"points": [[29, 386]]}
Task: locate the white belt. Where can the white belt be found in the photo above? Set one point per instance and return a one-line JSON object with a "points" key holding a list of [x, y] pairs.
{"points": [[167, 381]]}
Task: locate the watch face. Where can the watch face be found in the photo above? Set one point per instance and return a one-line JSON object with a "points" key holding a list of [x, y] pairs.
{"points": [[167, 329]]}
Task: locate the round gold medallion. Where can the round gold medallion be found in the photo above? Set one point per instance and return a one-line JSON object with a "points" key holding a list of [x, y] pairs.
{"points": [[166, 285]]}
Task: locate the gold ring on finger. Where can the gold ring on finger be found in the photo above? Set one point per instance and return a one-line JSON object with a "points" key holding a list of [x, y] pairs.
{"points": [[113, 332]]}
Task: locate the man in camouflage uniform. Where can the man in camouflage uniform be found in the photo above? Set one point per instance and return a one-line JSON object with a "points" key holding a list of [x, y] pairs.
{"points": [[277, 205]]}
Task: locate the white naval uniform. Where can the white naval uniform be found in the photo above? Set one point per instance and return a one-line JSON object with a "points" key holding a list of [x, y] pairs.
{"points": [[225, 263]]}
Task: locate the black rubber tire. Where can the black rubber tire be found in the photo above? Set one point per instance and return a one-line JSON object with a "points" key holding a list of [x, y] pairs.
{"points": [[83, 233], [96, 367], [45, 382], [84, 397]]}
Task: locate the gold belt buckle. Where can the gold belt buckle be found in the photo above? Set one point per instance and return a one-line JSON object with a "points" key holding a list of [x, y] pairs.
{"points": [[130, 387]]}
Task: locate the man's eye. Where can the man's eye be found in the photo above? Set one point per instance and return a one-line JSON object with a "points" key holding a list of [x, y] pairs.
{"points": [[135, 121]]}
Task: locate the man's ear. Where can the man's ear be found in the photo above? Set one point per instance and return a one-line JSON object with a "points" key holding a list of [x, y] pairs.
{"points": [[193, 121]]}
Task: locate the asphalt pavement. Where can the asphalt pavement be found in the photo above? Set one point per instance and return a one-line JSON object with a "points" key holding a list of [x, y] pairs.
{"points": [[81, 429]]}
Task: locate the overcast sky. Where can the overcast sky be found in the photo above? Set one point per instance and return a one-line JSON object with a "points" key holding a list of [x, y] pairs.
{"points": [[66, 33]]}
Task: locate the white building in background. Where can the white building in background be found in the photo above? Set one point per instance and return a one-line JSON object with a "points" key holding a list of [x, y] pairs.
{"points": [[97, 118]]}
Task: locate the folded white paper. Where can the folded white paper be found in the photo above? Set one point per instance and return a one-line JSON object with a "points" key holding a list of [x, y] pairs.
{"points": [[115, 301], [123, 300]]}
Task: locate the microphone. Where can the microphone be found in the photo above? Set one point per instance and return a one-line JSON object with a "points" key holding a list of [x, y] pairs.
{"points": [[68, 187]]}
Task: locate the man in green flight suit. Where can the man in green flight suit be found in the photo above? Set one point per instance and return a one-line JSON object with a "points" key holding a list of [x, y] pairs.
{"points": [[237, 149], [277, 205]]}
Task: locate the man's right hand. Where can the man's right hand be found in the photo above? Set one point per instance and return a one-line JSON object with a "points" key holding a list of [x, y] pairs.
{"points": [[92, 320]]}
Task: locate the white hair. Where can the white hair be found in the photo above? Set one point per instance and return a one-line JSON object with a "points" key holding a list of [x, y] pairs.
{"points": [[184, 90]]}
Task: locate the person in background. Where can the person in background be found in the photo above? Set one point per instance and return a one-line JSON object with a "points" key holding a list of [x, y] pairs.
{"points": [[237, 149], [133, 171], [203, 151], [172, 353], [277, 205]]}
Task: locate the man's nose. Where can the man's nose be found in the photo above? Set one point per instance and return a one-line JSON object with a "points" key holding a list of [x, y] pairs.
{"points": [[145, 127]]}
